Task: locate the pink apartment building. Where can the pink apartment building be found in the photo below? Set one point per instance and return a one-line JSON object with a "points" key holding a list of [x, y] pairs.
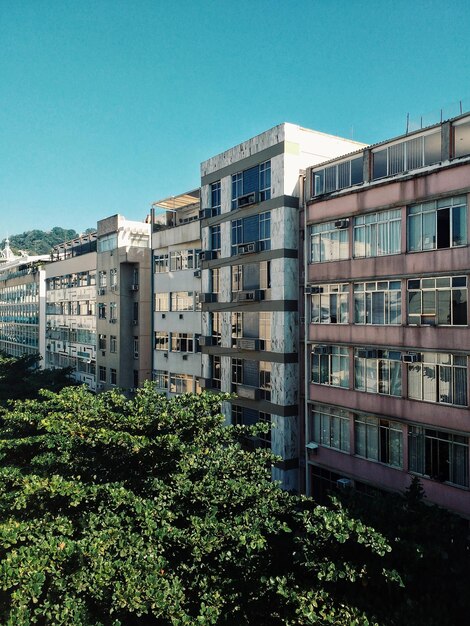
{"points": [[386, 332]]}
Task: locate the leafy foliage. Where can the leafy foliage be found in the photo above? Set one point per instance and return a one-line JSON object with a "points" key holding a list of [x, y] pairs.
{"points": [[151, 512], [431, 547], [40, 241], [21, 379]]}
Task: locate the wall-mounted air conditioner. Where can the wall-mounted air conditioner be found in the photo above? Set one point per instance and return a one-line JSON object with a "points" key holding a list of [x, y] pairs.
{"points": [[411, 357], [341, 224], [207, 255], [247, 199], [248, 248], [321, 349]]}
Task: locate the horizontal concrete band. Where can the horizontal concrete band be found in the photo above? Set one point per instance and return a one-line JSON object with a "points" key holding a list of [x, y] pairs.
{"points": [[287, 464], [263, 305], [252, 355], [260, 207], [290, 410], [255, 257], [243, 164]]}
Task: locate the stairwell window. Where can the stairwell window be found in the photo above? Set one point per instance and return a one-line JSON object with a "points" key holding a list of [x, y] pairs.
{"points": [[216, 198]]}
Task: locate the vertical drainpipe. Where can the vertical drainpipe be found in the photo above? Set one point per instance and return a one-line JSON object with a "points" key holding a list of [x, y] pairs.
{"points": [[306, 386]]}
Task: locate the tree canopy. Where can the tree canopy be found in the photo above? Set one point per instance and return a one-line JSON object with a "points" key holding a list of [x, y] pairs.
{"points": [[21, 378], [40, 241], [149, 511]]}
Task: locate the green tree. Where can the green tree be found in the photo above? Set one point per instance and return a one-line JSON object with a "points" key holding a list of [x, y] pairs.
{"points": [[21, 378], [150, 511], [431, 546]]}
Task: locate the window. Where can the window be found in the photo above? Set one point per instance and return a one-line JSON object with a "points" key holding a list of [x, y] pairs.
{"points": [[113, 343], [237, 373], [440, 378], [101, 311], [237, 327], [377, 302], [216, 326], [182, 301], [215, 198], [406, 155], [256, 179], [243, 416], [256, 228], [377, 234], [108, 242], [265, 275], [379, 440], [113, 311], [437, 224], [214, 281], [439, 301], [102, 342], [135, 312], [265, 380], [438, 455], [102, 374], [337, 176], [330, 304], [112, 376], [160, 263], [113, 279], [180, 383], [215, 241], [216, 372], [330, 366], [265, 331], [102, 279], [184, 259], [328, 243], [182, 342], [160, 378], [162, 302], [136, 347], [329, 426], [377, 371], [161, 340], [237, 278]]}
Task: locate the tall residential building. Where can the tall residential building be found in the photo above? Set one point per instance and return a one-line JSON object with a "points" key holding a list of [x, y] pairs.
{"points": [[176, 245], [123, 303], [249, 342], [22, 303], [70, 329], [386, 333]]}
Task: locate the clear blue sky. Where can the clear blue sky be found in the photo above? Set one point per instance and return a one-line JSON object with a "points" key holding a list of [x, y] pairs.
{"points": [[108, 105]]}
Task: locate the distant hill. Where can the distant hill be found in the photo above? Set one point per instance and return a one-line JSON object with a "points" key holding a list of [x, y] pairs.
{"points": [[40, 241]]}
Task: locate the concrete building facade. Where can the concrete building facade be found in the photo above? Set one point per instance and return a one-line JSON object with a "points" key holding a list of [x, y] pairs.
{"points": [[176, 245], [249, 260], [386, 305]]}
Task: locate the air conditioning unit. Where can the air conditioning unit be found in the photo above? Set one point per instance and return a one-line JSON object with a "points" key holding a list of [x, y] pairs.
{"points": [[204, 298], [135, 322], [248, 392], [205, 213], [248, 248], [102, 291], [321, 349], [411, 357], [114, 287], [135, 287], [205, 383], [197, 274], [248, 344], [247, 199], [312, 446], [207, 340], [113, 320], [344, 483], [207, 255], [341, 224], [185, 357], [254, 295], [99, 386], [367, 353]]}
